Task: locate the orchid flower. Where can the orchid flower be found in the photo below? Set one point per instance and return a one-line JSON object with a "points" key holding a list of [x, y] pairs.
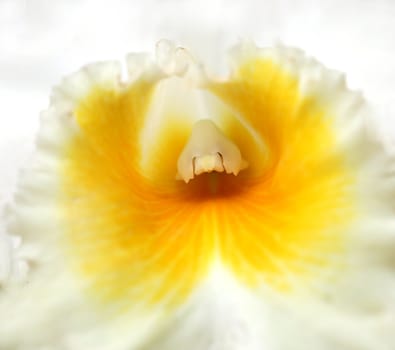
{"points": [[175, 210]]}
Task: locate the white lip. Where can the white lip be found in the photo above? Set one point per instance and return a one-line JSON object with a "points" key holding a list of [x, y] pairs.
{"points": [[220, 314]]}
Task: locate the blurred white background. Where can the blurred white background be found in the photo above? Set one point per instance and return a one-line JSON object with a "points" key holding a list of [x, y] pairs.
{"points": [[43, 40]]}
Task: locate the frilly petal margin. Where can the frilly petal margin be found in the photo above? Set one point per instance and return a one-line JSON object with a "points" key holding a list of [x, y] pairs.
{"points": [[349, 307]]}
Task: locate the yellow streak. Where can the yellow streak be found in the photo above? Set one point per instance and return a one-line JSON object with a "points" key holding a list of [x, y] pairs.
{"points": [[293, 219], [129, 239]]}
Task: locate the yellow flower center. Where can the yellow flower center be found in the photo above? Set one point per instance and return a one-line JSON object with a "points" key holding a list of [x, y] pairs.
{"points": [[136, 233]]}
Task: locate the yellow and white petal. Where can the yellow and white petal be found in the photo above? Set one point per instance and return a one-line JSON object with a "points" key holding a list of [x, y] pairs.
{"points": [[52, 308], [291, 252], [326, 131]]}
